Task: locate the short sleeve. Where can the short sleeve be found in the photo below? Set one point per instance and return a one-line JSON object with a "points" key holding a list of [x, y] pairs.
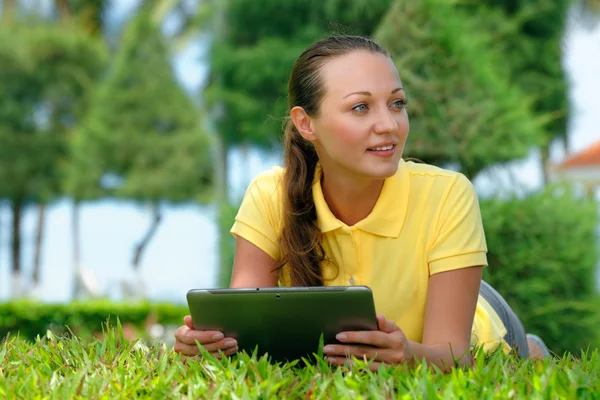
{"points": [[459, 236], [258, 219]]}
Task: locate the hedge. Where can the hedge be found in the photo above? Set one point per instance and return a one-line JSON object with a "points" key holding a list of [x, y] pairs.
{"points": [[30, 319]]}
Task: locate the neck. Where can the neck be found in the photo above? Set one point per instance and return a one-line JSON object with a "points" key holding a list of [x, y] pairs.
{"points": [[350, 199]]}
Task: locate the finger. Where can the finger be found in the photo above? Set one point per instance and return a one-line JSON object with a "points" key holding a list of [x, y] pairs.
{"points": [[227, 352], [192, 349], [231, 351], [370, 353], [386, 325], [381, 322], [190, 336], [372, 338], [374, 366], [186, 349], [333, 360], [187, 320], [223, 344]]}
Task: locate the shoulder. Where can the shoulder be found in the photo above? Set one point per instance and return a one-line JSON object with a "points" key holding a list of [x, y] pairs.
{"points": [[432, 179], [262, 200], [265, 190], [268, 181]]}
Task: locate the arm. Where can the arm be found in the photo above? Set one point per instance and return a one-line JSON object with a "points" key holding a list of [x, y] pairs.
{"points": [[451, 302], [455, 260], [252, 267], [450, 309]]}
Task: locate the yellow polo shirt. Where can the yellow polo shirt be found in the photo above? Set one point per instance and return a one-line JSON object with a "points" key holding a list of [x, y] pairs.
{"points": [[426, 220]]}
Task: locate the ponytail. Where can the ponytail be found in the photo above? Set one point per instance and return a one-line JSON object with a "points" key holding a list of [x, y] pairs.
{"points": [[301, 247], [300, 241]]}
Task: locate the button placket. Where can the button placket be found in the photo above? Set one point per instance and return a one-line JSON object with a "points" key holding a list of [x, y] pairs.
{"points": [[353, 272]]}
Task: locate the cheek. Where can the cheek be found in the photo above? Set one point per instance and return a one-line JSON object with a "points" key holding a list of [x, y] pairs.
{"points": [[403, 126], [345, 132]]}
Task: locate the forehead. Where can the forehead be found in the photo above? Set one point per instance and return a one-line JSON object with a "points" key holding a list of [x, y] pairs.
{"points": [[360, 70]]}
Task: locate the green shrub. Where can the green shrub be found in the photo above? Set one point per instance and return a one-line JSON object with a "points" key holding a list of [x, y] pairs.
{"points": [[542, 259], [29, 319]]}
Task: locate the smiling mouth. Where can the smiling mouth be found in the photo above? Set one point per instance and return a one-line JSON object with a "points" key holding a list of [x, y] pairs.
{"points": [[383, 148]]}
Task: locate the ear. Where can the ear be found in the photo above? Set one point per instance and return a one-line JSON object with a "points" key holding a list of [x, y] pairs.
{"points": [[303, 123]]}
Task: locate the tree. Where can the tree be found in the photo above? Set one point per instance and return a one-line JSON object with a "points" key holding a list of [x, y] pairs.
{"points": [[88, 16], [462, 106], [530, 34], [46, 72], [142, 134], [91, 16]]}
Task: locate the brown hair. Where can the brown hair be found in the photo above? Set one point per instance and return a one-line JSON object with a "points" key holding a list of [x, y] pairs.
{"points": [[300, 240]]}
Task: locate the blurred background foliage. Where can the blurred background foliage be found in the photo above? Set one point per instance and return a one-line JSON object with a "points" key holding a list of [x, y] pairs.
{"points": [[542, 259], [88, 112]]}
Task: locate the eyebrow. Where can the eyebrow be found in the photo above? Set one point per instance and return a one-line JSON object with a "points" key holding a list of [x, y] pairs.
{"points": [[369, 93]]}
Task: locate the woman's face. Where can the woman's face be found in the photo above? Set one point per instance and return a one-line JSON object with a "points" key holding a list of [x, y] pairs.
{"points": [[362, 125]]}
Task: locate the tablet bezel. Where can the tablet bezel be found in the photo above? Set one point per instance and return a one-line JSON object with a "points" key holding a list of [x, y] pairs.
{"points": [[295, 316]]}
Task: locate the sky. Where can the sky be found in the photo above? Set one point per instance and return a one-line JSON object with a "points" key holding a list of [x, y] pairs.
{"points": [[183, 254]]}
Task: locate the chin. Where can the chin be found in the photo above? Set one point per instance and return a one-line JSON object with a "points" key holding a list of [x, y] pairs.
{"points": [[382, 171]]}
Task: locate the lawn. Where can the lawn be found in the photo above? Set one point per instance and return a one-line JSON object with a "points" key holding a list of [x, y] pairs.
{"points": [[111, 368]]}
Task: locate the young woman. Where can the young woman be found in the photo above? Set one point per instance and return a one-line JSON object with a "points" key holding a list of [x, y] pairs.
{"points": [[346, 209]]}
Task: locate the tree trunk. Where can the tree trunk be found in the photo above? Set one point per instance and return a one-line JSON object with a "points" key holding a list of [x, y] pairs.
{"points": [[218, 112], [63, 9], [35, 276], [77, 284], [1, 237], [224, 262], [10, 9], [141, 246], [590, 191], [17, 206], [221, 165], [566, 143], [545, 153]]}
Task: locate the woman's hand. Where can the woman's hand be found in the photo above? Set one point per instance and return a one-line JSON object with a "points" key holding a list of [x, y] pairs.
{"points": [[213, 341], [389, 346]]}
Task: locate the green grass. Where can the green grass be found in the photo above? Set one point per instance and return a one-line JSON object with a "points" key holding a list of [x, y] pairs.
{"points": [[112, 368]]}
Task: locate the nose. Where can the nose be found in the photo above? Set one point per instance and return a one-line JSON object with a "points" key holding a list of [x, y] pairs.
{"points": [[386, 123]]}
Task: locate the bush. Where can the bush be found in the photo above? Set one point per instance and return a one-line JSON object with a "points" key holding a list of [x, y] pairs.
{"points": [[542, 259], [29, 319]]}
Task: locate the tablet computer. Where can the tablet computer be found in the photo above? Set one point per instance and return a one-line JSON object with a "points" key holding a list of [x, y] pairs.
{"points": [[285, 323]]}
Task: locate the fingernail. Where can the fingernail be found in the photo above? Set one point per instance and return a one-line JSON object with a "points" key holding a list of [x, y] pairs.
{"points": [[341, 337], [229, 343], [327, 349], [218, 336]]}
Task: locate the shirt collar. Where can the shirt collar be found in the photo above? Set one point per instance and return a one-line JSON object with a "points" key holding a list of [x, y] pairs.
{"points": [[386, 218]]}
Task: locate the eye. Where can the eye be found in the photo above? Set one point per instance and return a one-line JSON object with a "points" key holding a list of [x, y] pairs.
{"points": [[360, 107], [399, 103]]}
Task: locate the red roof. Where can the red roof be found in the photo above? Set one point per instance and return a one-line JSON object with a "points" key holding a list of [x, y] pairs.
{"points": [[589, 157]]}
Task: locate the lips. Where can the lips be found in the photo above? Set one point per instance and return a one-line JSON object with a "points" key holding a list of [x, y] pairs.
{"points": [[382, 147]]}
